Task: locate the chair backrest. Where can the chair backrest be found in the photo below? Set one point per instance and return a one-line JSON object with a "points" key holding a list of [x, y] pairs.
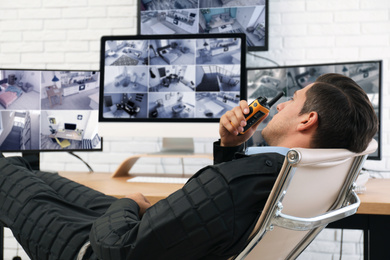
{"points": [[65, 143], [312, 183]]}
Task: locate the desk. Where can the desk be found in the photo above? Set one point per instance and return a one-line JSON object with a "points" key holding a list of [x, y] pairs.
{"points": [[373, 215], [119, 187], [68, 134]]}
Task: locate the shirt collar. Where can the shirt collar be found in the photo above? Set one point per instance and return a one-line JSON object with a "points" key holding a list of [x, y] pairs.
{"points": [[266, 149]]}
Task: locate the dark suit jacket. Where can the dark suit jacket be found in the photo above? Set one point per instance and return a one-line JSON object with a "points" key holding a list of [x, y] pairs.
{"points": [[211, 217]]}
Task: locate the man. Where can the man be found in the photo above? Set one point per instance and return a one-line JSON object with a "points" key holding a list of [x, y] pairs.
{"points": [[212, 216]]}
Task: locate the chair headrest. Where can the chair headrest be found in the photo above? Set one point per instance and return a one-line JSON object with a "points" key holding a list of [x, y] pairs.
{"points": [[309, 156]]}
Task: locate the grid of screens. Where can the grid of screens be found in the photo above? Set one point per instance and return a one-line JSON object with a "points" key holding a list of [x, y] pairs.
{"points": [[171, 78], [206, 16], [267, 82], [49, 110]]}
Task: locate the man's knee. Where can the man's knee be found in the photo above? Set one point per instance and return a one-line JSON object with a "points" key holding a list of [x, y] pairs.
{"points": [[17, 161]]}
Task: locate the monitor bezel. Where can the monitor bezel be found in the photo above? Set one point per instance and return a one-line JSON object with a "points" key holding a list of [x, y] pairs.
{"points": [[243, 89], [380, 91], [35, 151], [265, 47]]}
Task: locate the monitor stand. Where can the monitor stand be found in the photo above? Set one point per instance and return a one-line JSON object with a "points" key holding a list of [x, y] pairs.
{"points": [[177, 145], [171, 147], [32, 158]]}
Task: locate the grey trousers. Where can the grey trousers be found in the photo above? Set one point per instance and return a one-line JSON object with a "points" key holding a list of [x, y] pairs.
{"points": [[49, 215]]}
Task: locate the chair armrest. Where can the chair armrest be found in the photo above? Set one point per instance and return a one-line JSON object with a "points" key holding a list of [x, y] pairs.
{"points": [[297, 223]]}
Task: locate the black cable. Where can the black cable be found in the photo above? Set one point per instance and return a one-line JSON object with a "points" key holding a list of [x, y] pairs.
{"points": [[341, 244], [264, 58], [78, 157], [372, 170]]}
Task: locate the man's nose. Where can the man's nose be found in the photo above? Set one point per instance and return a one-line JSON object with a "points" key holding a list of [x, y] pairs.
{"points": [[280, 106]]}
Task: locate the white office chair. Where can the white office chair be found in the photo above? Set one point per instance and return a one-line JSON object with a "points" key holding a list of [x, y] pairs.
{"points": [[314, 188]]}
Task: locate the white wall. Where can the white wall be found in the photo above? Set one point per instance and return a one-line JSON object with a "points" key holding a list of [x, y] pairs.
{"points": [[57, 34]]}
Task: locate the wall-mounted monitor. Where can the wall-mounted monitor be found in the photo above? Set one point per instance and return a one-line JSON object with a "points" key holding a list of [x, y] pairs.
{"points": [[267, 82], [171, 78], [206, 17], [49, 110]]}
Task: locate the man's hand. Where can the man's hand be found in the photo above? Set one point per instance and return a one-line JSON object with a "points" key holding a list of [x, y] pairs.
{"points": [[141, 200], [232, 123]]}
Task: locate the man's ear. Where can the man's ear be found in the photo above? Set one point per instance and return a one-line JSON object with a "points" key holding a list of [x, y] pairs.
{"points": [[309, 121]]}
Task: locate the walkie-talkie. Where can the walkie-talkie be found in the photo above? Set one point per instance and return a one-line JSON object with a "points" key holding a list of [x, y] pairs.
{"points": [[258, 110]]}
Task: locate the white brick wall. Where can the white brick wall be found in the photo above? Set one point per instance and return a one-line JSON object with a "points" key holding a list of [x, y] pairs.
{"points": [[57, 34]]}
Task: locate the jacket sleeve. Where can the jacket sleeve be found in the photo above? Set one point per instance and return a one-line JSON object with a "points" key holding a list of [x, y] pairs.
{"points": [[192, 223], [224, 154]]}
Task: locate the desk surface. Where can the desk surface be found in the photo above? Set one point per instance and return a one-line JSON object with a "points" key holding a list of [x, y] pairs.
{"points": [[376, 199], [69, 134], [119, 187]]}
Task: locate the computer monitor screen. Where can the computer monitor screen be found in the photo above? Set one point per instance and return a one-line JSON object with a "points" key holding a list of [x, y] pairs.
{"points": [[69, 126], [267, 82], [171, 78], [206, 17], [49, 110]]}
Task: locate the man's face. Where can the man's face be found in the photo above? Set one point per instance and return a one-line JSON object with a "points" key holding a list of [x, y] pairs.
{"points": [[286, 120]]}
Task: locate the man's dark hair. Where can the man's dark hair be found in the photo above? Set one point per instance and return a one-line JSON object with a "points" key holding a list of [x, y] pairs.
{"points": [[346, 116]]}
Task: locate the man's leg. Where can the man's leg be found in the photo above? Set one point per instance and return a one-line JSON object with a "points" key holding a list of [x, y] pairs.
{"points": [[76, 193], [45, 224], [70, 191]]}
